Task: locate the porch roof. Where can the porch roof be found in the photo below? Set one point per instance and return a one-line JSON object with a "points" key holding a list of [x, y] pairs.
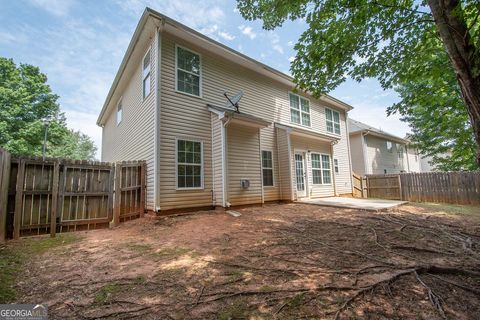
{"points": [[230, 115], [307, 133]]}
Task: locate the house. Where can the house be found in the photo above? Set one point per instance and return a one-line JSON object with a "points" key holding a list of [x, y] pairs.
{"points": [[374, 151], [168, 105]]}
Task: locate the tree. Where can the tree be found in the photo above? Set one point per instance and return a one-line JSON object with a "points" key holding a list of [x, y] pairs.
{"points": [[432, 104], [385, 39], [26, 101]]}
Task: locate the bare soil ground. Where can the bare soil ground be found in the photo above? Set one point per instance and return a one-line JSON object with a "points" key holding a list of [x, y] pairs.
{"points": [[285, 261]]}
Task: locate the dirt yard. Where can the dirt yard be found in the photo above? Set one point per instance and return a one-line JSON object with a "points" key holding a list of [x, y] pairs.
{"points": [[287, 261]]}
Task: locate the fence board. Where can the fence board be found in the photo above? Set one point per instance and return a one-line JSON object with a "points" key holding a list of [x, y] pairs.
{"points": [[4, 188], [439, 187]]}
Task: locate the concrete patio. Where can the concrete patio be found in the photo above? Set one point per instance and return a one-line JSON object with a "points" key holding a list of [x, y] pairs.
{"points": [[355, 203]]}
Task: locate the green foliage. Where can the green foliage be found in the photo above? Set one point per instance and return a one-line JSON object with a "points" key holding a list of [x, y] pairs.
{"points": [[25, 101], [397, 43]]}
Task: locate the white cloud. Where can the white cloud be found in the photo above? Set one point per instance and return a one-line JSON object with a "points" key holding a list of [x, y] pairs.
{"points": [[248, 31], [55, 7], [195, 14], [275, 40], [290, 43], [225, 35], [291, 59], [86, 123], [10, 37]]}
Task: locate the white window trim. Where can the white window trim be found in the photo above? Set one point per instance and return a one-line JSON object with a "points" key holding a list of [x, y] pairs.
{"points": [[119, 103], [400, 151], [333, 122], [273, 169], [321, 169], [336, 165], [300, 109], [202, 176], [149, 51], [200, 75]]}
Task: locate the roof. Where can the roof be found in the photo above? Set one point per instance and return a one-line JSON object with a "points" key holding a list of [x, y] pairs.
{"points": [[150, 13], [233, 114], [355, 127]]}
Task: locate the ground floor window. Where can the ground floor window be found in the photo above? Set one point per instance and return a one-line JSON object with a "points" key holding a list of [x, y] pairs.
{"points": [[267, 168], [321, 171], [189, 164]]}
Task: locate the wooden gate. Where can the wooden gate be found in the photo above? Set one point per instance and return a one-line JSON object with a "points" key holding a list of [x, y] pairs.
{"points": [[57, 195], [384, 186], [359, 186]]}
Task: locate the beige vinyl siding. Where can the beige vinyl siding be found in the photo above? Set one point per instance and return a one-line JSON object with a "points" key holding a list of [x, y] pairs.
{"points": [[133, 138], [301, 144], [186, 115], [217, 160], [343, 179], [268, 142], [357, 156], [413, 162], [284, 165], [243, 162], [379, 158]]}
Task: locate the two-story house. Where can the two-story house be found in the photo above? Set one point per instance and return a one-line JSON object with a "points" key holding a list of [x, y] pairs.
{"points": [[374, 151], [167, 106]]}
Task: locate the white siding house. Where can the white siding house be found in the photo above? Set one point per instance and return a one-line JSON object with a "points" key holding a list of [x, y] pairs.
{"points": [[374, 151], [202, 151]]}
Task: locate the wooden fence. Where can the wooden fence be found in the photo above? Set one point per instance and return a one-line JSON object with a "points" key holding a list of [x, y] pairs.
{"points": [[359, 186], [59, 195], [439, 187]]}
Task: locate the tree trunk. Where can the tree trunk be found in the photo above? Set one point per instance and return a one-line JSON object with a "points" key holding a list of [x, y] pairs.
{"points": [[465, 58]]}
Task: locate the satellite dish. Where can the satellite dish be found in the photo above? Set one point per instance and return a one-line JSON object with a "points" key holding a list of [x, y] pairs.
{"points": [[233, 101]]}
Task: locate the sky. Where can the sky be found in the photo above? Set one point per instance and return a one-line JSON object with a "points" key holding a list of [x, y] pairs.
{"points": [[79, 45]]}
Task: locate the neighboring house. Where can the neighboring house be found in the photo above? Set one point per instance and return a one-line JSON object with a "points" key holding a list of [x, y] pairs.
{"points": [[167, 106], [374, 151]]}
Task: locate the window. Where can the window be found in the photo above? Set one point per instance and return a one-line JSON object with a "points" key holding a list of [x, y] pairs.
{"points": [[335, 163], [188, 72], [400, 151], [189, 164], [267, 168], [299, 110], [321, 169], [389, 146], [146, 75], [333, 121], [119, 112]]}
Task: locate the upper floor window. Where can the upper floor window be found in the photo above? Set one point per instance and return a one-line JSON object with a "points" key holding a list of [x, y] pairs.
{"points": [[189, 164], [400, 151], [333, 121], [119, 112], [146, 74], [267, 168], [389, 146], [299, 110], [188, 68], [321, 171]]}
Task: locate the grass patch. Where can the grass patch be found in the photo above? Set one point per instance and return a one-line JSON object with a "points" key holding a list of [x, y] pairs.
{"points": [[105, 292], [455, 209], [15, 254], [172, 252], [236, 310], [140, 248]]}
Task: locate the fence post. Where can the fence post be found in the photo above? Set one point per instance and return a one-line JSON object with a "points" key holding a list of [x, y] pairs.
{"points": [[4, 183], [400, 186], [54, 209], [142, 188], [18, 199], [118, 194]]}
